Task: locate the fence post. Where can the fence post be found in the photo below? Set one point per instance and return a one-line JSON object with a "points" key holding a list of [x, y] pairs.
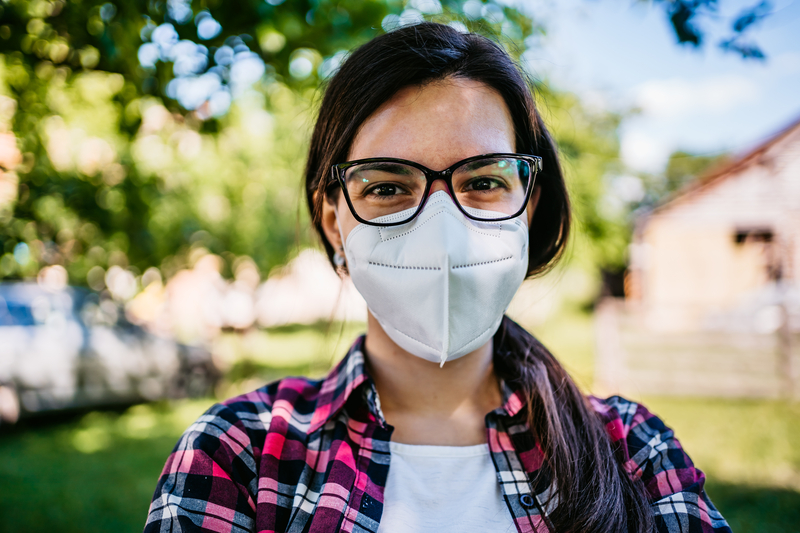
{"points": [[788, 365]]}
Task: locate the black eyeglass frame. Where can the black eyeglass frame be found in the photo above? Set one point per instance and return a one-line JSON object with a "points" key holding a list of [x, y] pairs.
{"points": [[338, 174]]}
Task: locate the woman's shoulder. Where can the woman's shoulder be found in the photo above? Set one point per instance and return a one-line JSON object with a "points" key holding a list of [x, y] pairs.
{"points": [[629, 421], [651, 453], [292, 398], [219, 455], [638, 434], [648, 446], [299, 404]]}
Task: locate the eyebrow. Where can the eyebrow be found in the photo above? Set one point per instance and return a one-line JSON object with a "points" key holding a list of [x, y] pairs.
{"points": [[480, 163], [385, 166]]}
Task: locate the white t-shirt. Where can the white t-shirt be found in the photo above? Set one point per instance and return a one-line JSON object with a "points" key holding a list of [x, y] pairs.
{"points": [[442, 489]]}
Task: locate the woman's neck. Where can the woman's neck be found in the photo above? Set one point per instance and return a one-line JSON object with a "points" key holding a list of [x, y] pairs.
{"points": [[427, 404]]}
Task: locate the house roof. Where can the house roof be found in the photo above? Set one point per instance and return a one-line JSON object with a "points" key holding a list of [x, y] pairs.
{"points": [[731, 167]]}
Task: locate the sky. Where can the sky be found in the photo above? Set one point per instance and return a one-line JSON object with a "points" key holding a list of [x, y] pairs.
{"points": [[622, 55]]}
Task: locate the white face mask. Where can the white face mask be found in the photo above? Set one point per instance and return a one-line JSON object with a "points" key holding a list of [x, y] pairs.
{"points": [[439, 285]]}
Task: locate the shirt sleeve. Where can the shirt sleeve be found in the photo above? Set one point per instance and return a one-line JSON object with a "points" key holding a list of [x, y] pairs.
{"points": [[210, 480], [673, 484]]}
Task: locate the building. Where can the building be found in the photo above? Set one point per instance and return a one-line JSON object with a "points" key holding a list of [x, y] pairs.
{"points": [[727, 247]]}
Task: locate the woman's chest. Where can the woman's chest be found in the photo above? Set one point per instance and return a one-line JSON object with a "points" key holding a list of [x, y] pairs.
{"points": [[340, 479]]}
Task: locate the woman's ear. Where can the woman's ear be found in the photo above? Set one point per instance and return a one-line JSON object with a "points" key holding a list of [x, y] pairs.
{"points": [[330, 224], [533, 202]]}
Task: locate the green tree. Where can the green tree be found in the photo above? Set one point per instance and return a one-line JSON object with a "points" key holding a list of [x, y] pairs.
{"points": [[683, 168], [147, 128], [142, 130], [589, 147]]}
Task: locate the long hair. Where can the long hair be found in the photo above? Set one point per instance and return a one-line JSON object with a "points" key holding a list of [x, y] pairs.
{"points": [[595, 493]]}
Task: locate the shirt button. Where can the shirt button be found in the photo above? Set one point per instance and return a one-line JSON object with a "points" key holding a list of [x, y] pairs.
{"points": [[527, 501]]}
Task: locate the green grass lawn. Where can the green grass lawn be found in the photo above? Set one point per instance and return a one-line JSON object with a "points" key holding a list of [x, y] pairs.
{"points": [[88, 474], [96, 472]]}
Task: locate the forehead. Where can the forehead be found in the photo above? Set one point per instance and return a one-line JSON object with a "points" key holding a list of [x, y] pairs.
{"points": [[437, 124]]}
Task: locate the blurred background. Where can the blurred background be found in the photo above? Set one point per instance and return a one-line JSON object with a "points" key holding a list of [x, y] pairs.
{"points": [[156, 255]]}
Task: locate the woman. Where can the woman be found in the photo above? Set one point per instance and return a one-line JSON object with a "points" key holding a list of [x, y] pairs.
{"points": [[433, 182]]}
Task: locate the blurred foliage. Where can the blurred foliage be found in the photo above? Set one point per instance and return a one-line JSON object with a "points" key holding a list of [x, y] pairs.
{"points": [[688, 18], [682, 169], [111, 164], [589, 147], [134, 133]]}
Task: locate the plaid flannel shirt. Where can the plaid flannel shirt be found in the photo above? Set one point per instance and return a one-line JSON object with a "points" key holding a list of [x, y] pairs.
{"points": [[312, 456]]}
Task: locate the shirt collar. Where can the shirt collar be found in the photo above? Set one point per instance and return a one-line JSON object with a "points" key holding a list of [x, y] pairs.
{"points": [[351, 373], [339, 385], [513, 399]]}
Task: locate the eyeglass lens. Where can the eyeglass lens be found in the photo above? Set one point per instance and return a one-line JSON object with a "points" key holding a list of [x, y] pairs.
{"points": [[496, 187]]}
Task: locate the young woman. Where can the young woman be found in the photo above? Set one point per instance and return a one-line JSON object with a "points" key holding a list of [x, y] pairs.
{"points": [[434, 184]]}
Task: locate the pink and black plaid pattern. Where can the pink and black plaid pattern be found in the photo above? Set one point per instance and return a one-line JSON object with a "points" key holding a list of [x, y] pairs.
{"points": [[312, 456]]}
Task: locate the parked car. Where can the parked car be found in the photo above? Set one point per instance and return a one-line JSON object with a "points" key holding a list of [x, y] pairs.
{"points": [[73, 348]]}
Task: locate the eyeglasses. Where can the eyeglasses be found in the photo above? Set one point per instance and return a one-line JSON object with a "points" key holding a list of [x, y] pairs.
{"points": [[489, 187]]}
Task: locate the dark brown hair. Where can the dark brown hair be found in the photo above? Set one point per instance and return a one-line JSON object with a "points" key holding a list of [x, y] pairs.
{"points": [[595, 493]]}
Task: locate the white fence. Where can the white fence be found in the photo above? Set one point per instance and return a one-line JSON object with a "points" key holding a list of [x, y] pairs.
{"points": [[633, 360]]}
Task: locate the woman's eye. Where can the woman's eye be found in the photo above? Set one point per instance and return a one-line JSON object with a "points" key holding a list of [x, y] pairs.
{"points": [[385, 189], [482, 184]]}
